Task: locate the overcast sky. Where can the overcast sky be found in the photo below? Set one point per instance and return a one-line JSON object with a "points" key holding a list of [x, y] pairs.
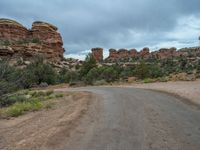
{"points": [[84, 24]]}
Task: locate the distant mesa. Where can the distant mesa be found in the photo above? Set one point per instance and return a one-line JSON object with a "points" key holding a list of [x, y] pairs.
{"points": [[17, 41]]}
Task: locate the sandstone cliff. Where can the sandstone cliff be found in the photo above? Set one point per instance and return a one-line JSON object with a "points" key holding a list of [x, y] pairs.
{"points": [[16, 41]]}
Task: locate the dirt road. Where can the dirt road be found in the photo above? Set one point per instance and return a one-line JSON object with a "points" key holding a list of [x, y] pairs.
{"points": [[136, 119], [113, 118]]}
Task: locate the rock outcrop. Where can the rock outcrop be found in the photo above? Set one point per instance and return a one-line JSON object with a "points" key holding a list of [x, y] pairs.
{"points": [[17, 41], [125, 55], [97, 53], [163, 53]]}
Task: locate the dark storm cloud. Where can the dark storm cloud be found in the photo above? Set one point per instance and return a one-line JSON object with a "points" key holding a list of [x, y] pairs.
{"points": [[107, 23]]}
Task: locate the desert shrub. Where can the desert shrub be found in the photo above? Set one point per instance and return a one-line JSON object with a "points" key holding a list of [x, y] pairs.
{"points": [[10, 78], [49, 92], [198, 69], [6, 43], [142, 71], [100, 82], [73, 76], [64, 76], [20, 108], [58, 95], [36, 40], [91, 76], [88, 64], [154, 71], [39, 71], [126, 72], [148, 80], [109, 74], [9, 100]]}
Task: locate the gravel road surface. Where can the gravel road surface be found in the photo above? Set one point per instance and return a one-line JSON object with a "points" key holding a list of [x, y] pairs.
{"points": [[136, 119]]}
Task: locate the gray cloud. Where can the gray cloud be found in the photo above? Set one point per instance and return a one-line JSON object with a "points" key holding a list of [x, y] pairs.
{"points": [[107, 23]]}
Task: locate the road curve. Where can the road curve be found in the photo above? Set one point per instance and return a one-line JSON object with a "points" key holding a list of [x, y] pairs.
{"points": [[136, 119]]}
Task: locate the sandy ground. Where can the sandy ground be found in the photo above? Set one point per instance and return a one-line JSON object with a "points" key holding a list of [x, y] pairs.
{"points": [[190, 90], [46, 128]]}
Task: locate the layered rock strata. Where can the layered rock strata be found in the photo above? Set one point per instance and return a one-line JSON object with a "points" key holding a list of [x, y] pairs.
{"points": [[18, 41]]}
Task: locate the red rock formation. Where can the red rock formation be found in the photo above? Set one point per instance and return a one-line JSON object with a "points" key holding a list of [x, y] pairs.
{"points": [[144, 53], [113, 54], [163, 53], [43, 38], [166, 53], [97, 53], [133, 53], [121, 54], [12, 31]]}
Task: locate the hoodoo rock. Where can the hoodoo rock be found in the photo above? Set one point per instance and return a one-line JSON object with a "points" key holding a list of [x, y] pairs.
{"points": [[16, 41], [12, 31], [144, 53], [163, 53], [97, 53], [121, 54]]}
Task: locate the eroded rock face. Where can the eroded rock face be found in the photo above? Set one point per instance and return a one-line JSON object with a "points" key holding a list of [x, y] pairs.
{"points": [[144, 53], [97, 53], [12, 31], [163, 53], [121, 54], [17, 41]]}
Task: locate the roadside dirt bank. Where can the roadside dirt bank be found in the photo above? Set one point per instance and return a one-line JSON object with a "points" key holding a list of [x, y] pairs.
{"points": [[45, 129], [189, 90]]}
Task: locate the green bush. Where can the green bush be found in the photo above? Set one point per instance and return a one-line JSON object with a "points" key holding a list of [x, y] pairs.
{"points": [[58, 95], [49, 92], [88, 64], [36, 40], [7, 43], [142, 71], [109, 74], [91, 76], [9, 100], [10, 78], [19, 108], [154, 71], [64, 76], [39, 71], [148, 80]]}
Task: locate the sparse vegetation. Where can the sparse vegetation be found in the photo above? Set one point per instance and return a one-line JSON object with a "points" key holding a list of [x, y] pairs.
{"points": [[40, 73], [18, 103], [20, 108], [36, 40]]}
